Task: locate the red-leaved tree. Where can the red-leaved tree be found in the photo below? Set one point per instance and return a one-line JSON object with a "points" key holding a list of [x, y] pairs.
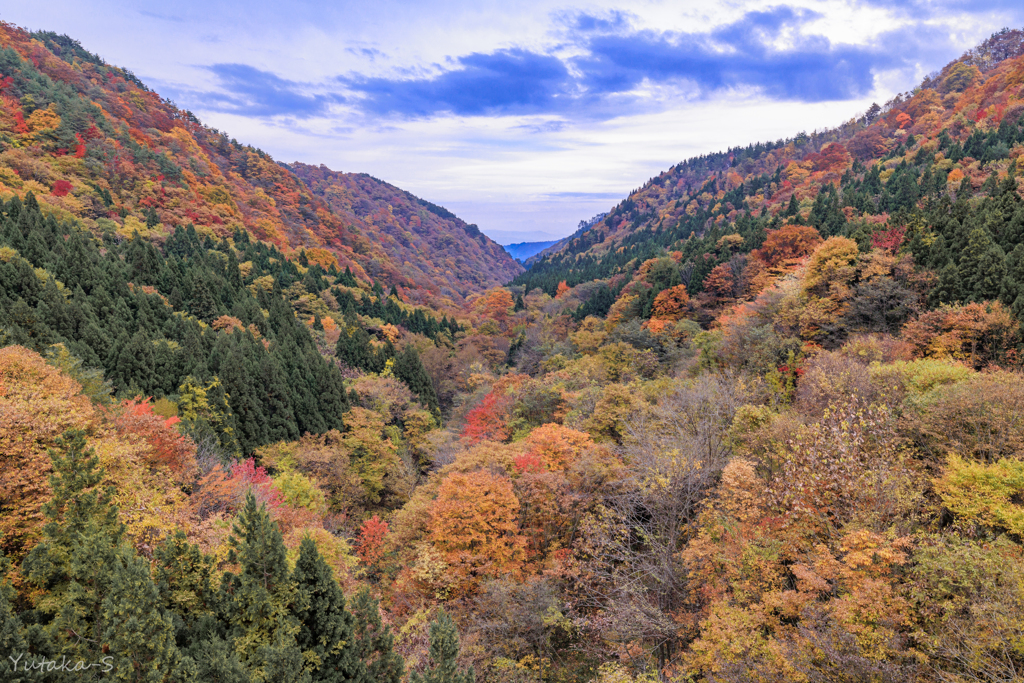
{"points": [[489, 420]]}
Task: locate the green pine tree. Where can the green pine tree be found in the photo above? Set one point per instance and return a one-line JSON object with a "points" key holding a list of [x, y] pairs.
{"points": [[256, 603], [99, 598], [444, 654], [326, 635], [138, 633], [793, 208], [982, 267], [948, 289], [409, 368], [374, 643], [13, 645]]}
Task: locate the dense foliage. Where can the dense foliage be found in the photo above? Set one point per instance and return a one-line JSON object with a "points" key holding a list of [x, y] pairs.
{"points": [[94, 143], [760, 423]]}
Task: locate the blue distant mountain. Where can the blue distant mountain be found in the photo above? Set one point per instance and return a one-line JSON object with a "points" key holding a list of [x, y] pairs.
{"points": [[525, 250]]}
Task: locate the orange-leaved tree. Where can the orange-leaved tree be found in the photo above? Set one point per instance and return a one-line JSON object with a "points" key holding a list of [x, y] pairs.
{"points": [[977, 333], [370, 541], [670, 304], [37, 404], [787, 243], [168, 448], [474, 525], [555, 446]]}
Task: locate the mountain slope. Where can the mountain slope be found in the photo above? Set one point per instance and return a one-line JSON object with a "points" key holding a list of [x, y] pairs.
{"points": [[432, 246], [92, 142], [841, 181], [524, 250]]}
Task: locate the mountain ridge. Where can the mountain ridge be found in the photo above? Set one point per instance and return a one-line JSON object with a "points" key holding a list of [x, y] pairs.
{"points": [[94, 143], [761, 179]]}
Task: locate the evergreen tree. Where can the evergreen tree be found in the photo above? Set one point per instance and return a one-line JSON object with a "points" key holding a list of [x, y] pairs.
{"points": [[135, 365], [1013, 280], [13, 645], [444, 653], [374, 643], [326, 627], [183, 579], [409, 368], [353, 348], [948, 289], [793, 208], [139, 634], [99, 598], [982, 267], [74, 562], [256, 603]]}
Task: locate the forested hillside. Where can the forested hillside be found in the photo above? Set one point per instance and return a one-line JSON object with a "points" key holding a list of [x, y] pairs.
{"points": [[93, 143], [429, 243], [760, 423]]}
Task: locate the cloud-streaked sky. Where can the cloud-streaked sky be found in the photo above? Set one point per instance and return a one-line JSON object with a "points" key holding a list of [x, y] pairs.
{"points": [[522, 117]]}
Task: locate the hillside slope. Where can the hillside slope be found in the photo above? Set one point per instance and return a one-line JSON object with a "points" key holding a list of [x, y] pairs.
{"points": [[959, 123], [92, 142], [433, 247]]}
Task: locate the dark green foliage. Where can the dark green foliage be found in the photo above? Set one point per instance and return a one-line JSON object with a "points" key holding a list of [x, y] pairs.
{"points": [[409, 368], [182, 576], [139, 633], [881, 305], [326, 632], [99, 597], [444, 653], [982, 266], [101, 314], [256, 604], [949, 289], [374, 643], [12, 632]]}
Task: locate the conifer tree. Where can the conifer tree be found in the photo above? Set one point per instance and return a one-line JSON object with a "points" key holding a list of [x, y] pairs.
{"points": [[256, 603], [100, 599], [948, 289], [12, 632], [409, 368], [326, 634], [138, 633], [793, 208], [444, 653], [982, 267], [374, 643], [74, 561], [183, 575]]}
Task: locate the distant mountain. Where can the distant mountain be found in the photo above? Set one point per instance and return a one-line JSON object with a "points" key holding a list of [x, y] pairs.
{"points": [[428, 246], [524, 250], [555, 247], [93, 143]]}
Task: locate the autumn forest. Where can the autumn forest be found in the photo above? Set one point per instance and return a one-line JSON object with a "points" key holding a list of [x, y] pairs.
{"points": [[272, 422]]}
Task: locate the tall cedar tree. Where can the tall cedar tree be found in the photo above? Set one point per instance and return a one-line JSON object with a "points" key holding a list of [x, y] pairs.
{"points": [[374, 643], [257, 601], [12, 632], [100, 599], [326, 633], [444, 653]]}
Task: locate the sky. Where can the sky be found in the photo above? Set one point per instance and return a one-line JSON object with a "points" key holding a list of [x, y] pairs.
{"points": [[522, 117]]}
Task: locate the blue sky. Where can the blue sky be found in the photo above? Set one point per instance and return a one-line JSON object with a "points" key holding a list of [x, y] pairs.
{"points": [[522, 117]]}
